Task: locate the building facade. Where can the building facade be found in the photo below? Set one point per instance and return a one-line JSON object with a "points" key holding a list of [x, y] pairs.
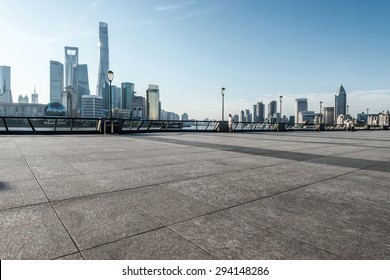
{"points": [[260, 108], [91, 106], [80, 84], [56, 80], [22, 110], [300, 106], [328, 115], [340, 107], [102, 87], [139, 107], [127, 95], [5, 84], [71, 61], [153, 102]]}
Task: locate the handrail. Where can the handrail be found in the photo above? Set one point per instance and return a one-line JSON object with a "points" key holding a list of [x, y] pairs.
{"points": [[95, 125]]}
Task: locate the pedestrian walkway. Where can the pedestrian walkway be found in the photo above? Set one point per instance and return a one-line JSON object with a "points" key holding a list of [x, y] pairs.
{"points": [[268, 195]]}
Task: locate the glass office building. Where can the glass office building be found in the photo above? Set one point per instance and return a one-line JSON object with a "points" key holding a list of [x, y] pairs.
{"points": [[153, 102], [71, 61], [5, 84], [127, 95], [340, 107], [56, 81], [300, 106], [102, 81]]}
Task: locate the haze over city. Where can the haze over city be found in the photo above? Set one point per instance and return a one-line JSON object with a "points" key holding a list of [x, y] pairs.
{"points": [[257, 50]]}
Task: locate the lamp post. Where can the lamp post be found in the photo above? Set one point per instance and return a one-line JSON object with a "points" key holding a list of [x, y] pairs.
{"points": [[110, 76], [280, 99], [367, 115], [223, 102], [320, 111], [347, 109]]}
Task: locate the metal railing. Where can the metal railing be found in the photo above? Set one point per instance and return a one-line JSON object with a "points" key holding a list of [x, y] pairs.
{"points": [[63, 125]]}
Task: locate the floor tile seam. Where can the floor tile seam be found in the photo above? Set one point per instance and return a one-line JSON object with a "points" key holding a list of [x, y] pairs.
{"points": [[51, 205], [258, 199], [272, 230], [120, 239]]}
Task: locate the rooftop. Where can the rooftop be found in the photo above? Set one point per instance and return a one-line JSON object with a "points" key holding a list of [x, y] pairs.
{"points": [[291, 195]]}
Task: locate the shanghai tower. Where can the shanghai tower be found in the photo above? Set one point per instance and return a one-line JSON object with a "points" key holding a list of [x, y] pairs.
{"points": [[102, 88]]}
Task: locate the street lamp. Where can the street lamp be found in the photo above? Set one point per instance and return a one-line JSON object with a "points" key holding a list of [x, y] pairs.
{"points": [[110, 76], [280, 99], [347, 109], [320, 111], [223, 104]]}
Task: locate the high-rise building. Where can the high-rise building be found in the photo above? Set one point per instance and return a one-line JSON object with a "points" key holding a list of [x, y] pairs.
{"points": [[139, 106], [260, 108], [56, 81], [340, 107], [153, 102], [34, 96], [184, 117], [127, 95], [328, 115], [71, 61], [116, 98], [300, 106], [102, 87], [80, 84], [272, 111], [254, 113], [91, 106], [5, 84]]}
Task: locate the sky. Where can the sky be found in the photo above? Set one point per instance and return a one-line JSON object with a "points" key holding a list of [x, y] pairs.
{"points": [[257, 50]]}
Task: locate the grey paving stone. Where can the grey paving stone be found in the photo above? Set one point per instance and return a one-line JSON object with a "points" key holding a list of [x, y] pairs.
{"points": [[226, 236], [96, 220], [64, 187], [326, 216], [20, 193], [53, 170], [14, 174], [160, 244], [33, 232], [75, 257], [166, 205]]}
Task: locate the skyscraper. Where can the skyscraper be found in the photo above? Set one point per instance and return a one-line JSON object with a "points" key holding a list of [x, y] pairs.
{"points": [[56, 81], [34, 96], [300, 106], [127, 95], [5, 84], [340, 107], [80, 84], [71, 60], [153, 102], [260, 107], [272, 109], [102, 87]]}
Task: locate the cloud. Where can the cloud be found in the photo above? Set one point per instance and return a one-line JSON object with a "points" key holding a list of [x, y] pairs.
{"points": [[170, 7]]}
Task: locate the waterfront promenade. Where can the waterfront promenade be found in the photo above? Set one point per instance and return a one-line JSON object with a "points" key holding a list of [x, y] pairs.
{"points": [[269, 195]]}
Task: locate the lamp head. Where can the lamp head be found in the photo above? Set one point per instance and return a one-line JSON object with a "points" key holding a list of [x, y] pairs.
{"points": [[110, 75]]}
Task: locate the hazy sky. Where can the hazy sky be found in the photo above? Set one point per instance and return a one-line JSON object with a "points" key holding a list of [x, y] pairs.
{"points": [[256, 49]]}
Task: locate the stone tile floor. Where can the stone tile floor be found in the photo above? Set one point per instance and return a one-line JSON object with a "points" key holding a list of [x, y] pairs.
{"points": [[269, 195]]}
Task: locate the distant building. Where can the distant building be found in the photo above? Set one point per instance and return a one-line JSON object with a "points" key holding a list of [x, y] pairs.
{"points": [[307, 117], [328, 115], [242, 116], [34, 97], [340, 107], [91, 106], [254, 114], [69, 101], [153, 102], [22, 110], [127, 96], [102, 87], [272, 109], [71, 61], [55, 109], [5, 84], [384, 118], [139, 107], [23, 99], [56, 81], [260, 111], [80, 84], [116, 98], [248, 116], [184, 117], [300, 106]]}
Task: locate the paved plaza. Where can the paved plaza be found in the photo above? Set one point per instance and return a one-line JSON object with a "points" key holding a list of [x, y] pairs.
{"points": [[269, 195]]}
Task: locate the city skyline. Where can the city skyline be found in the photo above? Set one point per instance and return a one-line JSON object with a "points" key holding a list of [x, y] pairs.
{"points": [[257, 50]]}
